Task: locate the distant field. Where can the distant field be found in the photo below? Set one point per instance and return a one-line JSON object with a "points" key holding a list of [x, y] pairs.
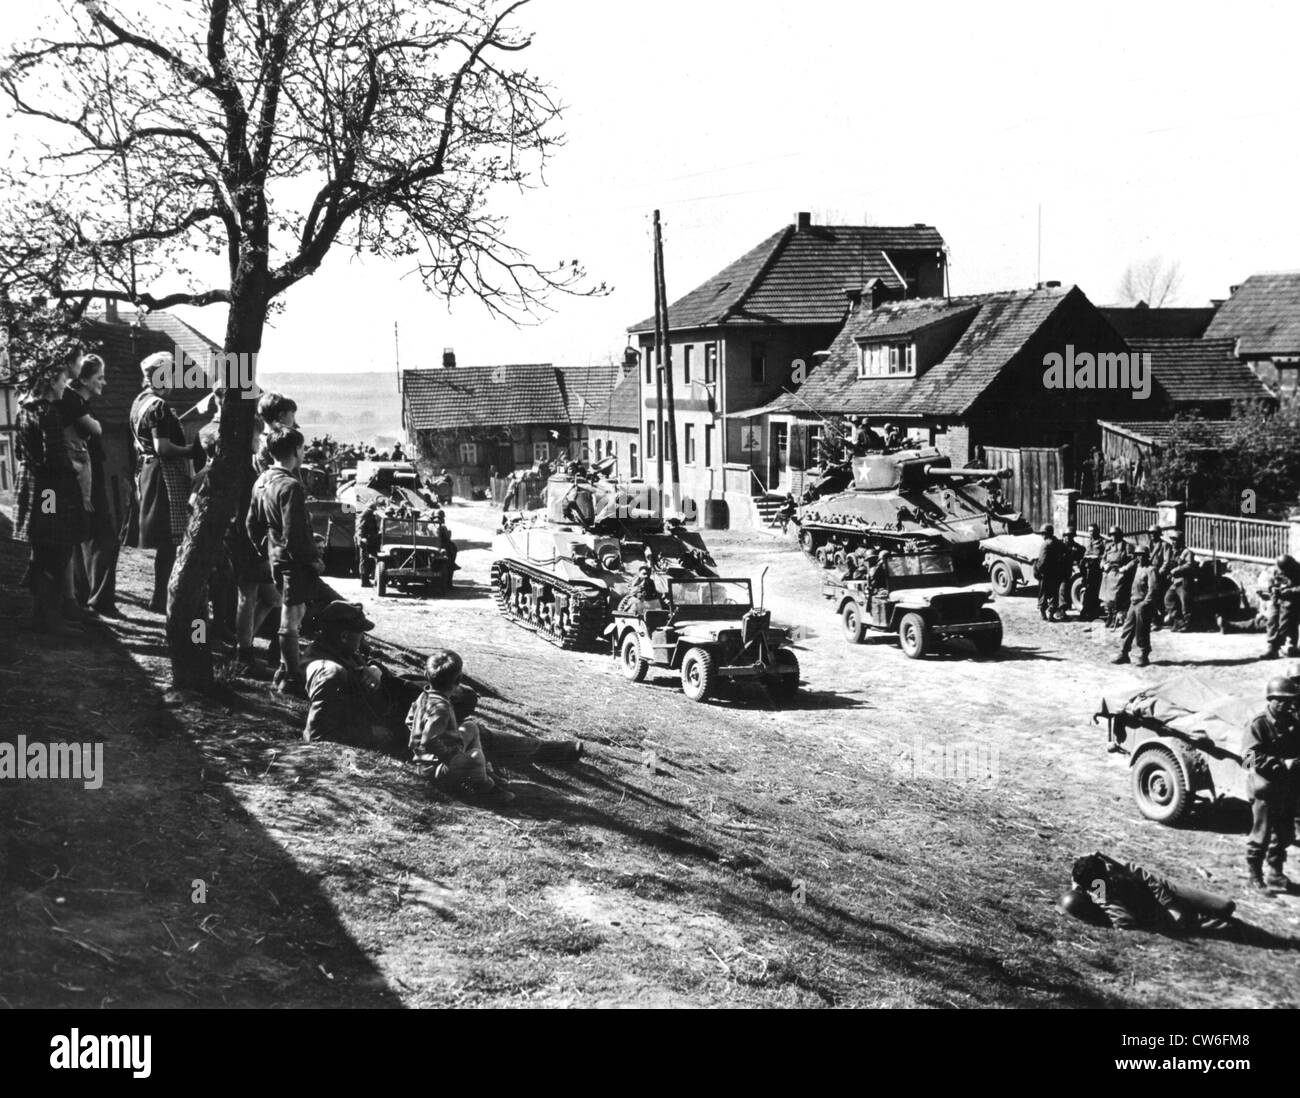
{"points": [[360, 407]]}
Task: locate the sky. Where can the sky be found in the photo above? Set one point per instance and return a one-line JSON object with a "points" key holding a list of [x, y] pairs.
{"points": [[1140, 129]]}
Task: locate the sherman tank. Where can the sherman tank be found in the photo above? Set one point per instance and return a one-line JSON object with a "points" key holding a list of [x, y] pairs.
{"points": [[904, 501], [563, 570]]}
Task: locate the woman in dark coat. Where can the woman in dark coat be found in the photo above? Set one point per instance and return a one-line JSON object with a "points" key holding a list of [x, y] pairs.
{"points": [[94, 565], [163, 476], [51, 513]]}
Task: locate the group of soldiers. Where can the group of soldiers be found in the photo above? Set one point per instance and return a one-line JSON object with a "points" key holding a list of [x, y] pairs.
{"points": [[368, 535]]}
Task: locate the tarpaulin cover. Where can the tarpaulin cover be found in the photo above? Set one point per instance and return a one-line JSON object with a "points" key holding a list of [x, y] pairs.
{"points": [[1191, 704]]}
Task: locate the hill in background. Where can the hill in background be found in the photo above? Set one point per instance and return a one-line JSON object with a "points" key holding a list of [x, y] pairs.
{"points": [[359, 407]]}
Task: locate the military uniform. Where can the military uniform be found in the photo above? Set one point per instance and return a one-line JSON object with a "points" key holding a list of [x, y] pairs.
{"points": [[1051, 567], [1073, 555], [1137, 623], [1270, 749], [1117, 567], [1133, 898], [1091, 568], [367, 540], [1283, 611], [1182, 586]]}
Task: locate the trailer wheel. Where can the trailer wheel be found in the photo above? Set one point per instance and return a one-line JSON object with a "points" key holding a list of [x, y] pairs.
{"points": [[913, 635], [1002, 578], [986, 644], [1159, 787], [633, 666], [697, 674], [855, 628], [381, 580], [1076, 592], [784, 687]]}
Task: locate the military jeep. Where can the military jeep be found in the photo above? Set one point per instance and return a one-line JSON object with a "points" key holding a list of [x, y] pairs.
{"points": [[708, 630], [411, 557], [924, 605]]}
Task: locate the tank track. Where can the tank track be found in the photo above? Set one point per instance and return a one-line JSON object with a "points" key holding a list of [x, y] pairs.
{"points": [[587, 613]]}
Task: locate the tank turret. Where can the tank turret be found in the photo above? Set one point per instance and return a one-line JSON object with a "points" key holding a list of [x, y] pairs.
{"points": [[561, 571], [904, 500]]}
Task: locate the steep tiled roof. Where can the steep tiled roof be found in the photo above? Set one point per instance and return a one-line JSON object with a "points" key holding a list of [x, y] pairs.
{"points": [[1194, 370], [1264, 314], [1141, 322], [585, 388], [123, 347], [482, 396], [798, 276], [1211, 434], [190, 340], [999, 326], [921, 313], [622, 409]]}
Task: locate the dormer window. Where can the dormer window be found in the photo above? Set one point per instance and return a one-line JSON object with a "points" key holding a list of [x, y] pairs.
{"points": [[887, 360]]}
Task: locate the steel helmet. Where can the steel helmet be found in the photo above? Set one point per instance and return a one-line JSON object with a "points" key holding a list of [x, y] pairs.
{"points": [[1281, 687], [1079, 904], [1047, 528], [1116, 532]]}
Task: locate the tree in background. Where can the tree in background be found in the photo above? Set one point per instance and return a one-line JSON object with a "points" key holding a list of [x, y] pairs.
{"points": [[266, 133], [1152, 281]]}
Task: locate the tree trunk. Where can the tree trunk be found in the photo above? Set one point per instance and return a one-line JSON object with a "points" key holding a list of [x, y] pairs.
{"points": [[187, 593]]}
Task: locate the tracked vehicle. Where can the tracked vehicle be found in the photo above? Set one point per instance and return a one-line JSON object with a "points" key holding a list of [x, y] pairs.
{"points": [[905, 501], [561, 572]]}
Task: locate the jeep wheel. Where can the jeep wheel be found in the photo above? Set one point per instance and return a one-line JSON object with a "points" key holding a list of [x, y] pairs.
{"points": [[1159, 787], [381, 580], [697, 674], [784, 687], [987, 643], [1002, 578], [854, 627], [630, 661], [913, 635], [1076, 593]]}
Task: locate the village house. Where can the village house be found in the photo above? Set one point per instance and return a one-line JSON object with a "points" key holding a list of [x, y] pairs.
{"points": [[748, 333], [1263, 318], [484, 422], [614, 429]]}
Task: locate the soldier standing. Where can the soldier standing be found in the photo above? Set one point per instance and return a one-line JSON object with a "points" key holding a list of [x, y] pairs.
{"points": [[1072, 553], [1270, 752], [1137, 623], [1092, 554], [1182, 584], [367, 539], [1117, 565], [1048, 570], [1161, 563], [1284, 607]]}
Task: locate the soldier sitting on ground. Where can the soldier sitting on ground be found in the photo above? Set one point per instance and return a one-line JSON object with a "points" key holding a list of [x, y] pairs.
{"points": [[459, 752], [1127, 897]]}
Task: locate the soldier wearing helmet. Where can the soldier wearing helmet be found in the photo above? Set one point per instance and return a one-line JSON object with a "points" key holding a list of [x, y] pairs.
{"points": [[1181, 573], [1051, 568], [1117, 568], [1270, 753], [1137, 621], [1090, 566], [1073, 553], [1126, 896], [1284, 607]]}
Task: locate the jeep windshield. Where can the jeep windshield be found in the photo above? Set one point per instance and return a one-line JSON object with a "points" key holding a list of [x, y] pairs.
{"points": [[733, 594], [934, 566]]}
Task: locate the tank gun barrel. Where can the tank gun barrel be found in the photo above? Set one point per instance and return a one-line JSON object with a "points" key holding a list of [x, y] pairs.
{"points": [[965, 473]]}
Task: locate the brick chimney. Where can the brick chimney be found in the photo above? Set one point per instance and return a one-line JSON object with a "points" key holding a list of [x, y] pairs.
{"points": [[802, 222], [448, 358], [110, 311], [631, 360]]}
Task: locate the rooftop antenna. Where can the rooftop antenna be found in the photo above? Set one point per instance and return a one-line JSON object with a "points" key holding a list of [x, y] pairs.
{"points": [[397, 358], [1039, 276]]}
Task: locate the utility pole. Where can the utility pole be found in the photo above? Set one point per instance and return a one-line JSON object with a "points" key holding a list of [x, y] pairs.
{"points": [[660, 339], [666, 368]]}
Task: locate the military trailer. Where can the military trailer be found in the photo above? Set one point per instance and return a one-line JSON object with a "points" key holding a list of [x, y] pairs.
{"points": [[1182, 738], [709, 632], [410, 557], [1009, 561], [924, 605]]}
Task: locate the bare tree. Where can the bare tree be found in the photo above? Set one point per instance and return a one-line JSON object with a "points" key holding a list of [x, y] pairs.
{"points": [[268, 132], [1153, 281]]}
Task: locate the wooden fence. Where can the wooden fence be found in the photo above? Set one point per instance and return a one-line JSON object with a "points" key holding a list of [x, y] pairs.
{"points": [[1035, 472], [1132, 520], [1253, 540]]}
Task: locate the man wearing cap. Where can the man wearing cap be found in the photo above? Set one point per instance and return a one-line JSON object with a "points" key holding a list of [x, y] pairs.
{"points": [[1091, 566], [1137, 622], [1270, 754], [1072, 554], [353, 698], [1050, 569], [1117, 568], [443, 534], [1161, 562], [1284, 606]]}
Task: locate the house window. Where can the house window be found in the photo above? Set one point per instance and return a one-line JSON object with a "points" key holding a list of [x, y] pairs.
{"points": [[710, 363], [633, 468], [758, 363], [598, 449], [688, 354], [469, 453], [689, 435], [708, 445], [887, 360], [541, 452], [649, 438], [649, 366], [611, 449], [815, 444]]}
